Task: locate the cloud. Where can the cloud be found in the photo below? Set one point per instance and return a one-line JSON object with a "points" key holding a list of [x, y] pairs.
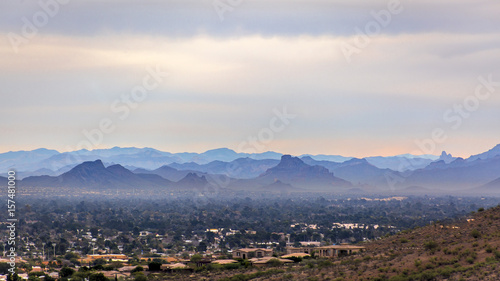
{"points": [[227, 77], [185, 18]]}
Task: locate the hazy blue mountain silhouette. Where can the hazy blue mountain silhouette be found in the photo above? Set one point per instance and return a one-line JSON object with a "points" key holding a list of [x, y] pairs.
{"points": [[93, 174], [491, 187], [293, 171], [400, 163], [279, 186], [33, 162], [446, 157], [457, 175], [20, 159], [492, 153], [447, 173], [165, 172], [241, 168], [358, 171], [193, 181]]}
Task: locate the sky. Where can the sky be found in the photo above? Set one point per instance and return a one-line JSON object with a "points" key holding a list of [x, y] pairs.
{"points": [[344, 77]]}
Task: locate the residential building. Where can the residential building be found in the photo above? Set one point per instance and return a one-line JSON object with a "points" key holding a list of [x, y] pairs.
{"points": [[327, 251], [248, 253]]}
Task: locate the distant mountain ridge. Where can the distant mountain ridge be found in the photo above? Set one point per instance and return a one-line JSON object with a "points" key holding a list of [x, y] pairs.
{"points": [[358, 171], [42, 161], [495, 151], [446, 173], [293, 171], [241, 168], [460, 174], [93, 174]]}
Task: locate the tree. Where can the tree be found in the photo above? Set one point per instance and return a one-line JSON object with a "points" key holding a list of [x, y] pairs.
{"points": [[116, 264], [66, 272], [71, 255], [99, 262], [4, 268], [13, 277], [196, 258], [94, 231], [97, 277], [202, 247], [154, 266], [137, 269], [48, 278]]}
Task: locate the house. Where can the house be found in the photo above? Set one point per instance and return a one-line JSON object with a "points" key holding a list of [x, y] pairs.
{"points": [[260, 262], [310, 243], [113, 257], [173, 266], [296, 255], [338, 250], [36, 269], [114, 274], [294, 250], [126, 269], [223, 262], [248, 253], [327, 251]]}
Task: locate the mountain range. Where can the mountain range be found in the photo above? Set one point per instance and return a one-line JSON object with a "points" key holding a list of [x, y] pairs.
{"points": [[446, 174], [50, 162], [94, 175]]}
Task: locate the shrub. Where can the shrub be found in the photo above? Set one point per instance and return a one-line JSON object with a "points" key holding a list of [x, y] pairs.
{"points": [[325, 263], [475, 233], [489, 249], [275, 262], [231, 266], [140, 277], [428, 275], [431, 245], [137, 269], [497, 255]]}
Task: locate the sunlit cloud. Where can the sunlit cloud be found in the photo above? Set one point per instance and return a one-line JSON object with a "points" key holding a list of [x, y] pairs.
{"points": [[225, 78]]}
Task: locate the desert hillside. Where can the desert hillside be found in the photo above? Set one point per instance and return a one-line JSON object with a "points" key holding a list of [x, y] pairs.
{"points": [[463, 249]]}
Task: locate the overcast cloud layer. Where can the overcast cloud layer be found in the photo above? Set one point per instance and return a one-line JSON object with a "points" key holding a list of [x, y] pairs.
{"points": [[227, 78]]}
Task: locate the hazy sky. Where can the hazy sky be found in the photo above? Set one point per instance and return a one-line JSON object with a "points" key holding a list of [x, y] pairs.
{"points": [[358, 79]]}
